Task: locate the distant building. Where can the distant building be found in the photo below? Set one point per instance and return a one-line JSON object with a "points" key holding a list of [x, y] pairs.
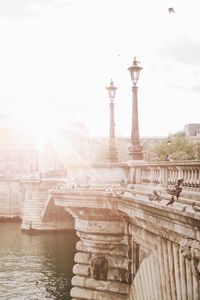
{"points": [[17, 149], [192, 130]]}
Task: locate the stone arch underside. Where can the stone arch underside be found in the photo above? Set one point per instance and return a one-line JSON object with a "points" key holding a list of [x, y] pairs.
{"points": [[57, 214], [40, 211], [165, 274]]}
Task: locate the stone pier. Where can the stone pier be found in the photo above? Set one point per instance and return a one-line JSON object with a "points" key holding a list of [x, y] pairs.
{"points": [[101, 269]]}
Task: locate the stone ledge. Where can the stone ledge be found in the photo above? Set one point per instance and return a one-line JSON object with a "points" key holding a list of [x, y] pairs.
{"points": [[101, 285], [119, 250], [114, 274], [99, 226], [115, 262], [101, 238], [82, 293]]}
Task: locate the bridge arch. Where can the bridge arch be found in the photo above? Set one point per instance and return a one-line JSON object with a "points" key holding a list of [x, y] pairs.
{"points": [[166, 273], [56, 214], [39, 210]]}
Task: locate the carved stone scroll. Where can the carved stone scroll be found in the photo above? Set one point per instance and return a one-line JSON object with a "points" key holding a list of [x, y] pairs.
{"points": [[191, 251]]}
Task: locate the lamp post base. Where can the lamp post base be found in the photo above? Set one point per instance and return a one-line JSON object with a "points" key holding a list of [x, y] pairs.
{"points": [[113, 156], [136, 152]]}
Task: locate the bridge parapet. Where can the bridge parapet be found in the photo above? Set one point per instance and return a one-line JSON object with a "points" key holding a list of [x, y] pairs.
{"points": [[159, 173], [166, 173]]}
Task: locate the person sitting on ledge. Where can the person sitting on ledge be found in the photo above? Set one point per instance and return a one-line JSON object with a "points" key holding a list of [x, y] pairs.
{"points": [[168, 158]]}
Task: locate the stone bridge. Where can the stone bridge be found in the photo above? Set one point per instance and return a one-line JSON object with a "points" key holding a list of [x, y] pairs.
{"points": [[129, 247], [39, 211]]}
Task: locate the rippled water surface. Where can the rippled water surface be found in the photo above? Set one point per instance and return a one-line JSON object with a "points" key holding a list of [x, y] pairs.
{"points": [[35, 267]]}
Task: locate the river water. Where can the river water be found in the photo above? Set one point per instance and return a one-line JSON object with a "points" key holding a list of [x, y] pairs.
{"points": [[35, 267]]}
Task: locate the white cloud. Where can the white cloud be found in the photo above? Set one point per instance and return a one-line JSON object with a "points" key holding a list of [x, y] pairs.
{"points": [[28, 8]]}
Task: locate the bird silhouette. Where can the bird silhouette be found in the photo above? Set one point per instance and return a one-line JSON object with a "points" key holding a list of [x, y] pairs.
{"points": [[108, 189], [184, 208], [171, 201], [195, 208], [123, 183], [156, 195], [176, 191], [76, 184], [130, 186], [171, 10], [88, 177], [121, 192], [118, 193]]}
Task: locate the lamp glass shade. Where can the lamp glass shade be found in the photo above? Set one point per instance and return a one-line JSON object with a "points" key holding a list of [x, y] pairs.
{"points": [[111, 90], [135, 71]]}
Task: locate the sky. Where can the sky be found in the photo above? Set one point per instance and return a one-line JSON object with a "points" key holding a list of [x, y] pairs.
{"points": [[57, 58]]}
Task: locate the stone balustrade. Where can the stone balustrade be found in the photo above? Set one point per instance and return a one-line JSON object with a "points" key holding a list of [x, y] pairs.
{"points": [[166, 173], [159, 173]]}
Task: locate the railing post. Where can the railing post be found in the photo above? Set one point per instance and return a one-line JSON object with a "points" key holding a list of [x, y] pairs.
{"points": [[132, 174], [163, 176]]}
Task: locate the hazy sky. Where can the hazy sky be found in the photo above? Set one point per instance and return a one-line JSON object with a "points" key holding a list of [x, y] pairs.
{"points": [[57, 57]]}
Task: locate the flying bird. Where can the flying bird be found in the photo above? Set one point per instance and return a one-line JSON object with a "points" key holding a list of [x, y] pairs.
{"points": [[195, 208], [171, 201], [171, 10]]}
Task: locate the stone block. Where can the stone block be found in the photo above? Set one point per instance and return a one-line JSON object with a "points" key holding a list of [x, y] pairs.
{"points": [[103, 227], [87, 294], [101, 285], [101, 238], [100, 245], [120, 249], [81, 269], [116, 262], [82, 258], [118, 274]]}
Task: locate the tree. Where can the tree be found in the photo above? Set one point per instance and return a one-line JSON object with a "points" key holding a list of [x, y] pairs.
{"points": [[196, 149], [179, 149]]}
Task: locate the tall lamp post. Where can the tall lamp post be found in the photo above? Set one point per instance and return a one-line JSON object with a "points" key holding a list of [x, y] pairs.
{"points": [[113, 155], [136, 150], [169, 144]]}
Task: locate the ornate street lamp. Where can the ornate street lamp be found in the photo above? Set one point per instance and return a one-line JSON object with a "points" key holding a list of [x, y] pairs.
{"points": [[112, 156], [136, 150], [169, 143]]}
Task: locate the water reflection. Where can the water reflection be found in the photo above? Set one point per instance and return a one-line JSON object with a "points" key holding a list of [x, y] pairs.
{"points": [[35, 267]]}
